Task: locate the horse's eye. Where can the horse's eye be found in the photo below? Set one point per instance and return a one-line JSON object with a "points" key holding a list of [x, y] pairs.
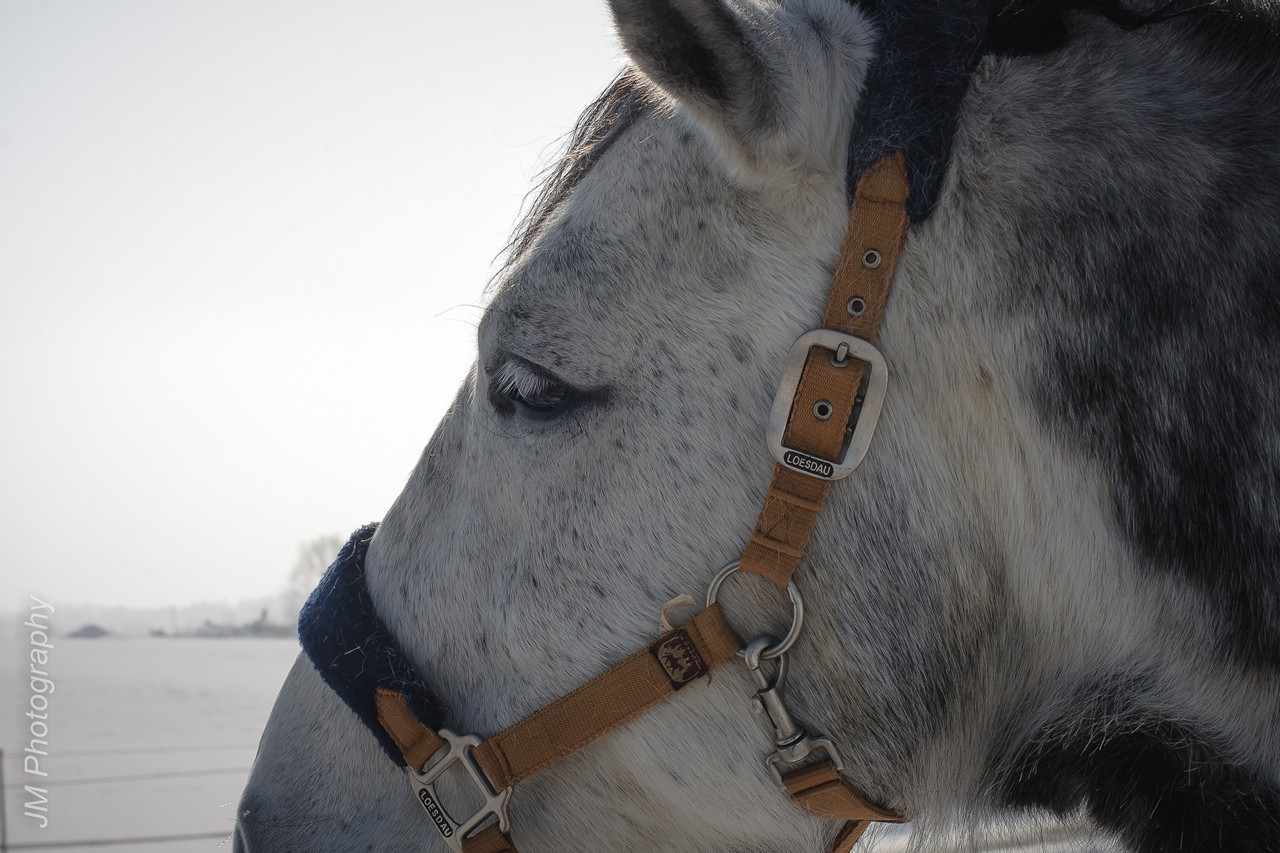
{"points": [[518, 383]]}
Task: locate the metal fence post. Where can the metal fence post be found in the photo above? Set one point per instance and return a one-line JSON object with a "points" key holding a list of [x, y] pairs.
{"points": [[4, 809]]}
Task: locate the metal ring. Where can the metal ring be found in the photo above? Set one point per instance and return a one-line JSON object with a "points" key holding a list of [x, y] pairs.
{"points": [[797, 611]]}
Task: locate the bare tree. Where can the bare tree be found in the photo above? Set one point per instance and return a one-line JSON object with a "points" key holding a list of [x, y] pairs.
{"points": [[314, 556]]}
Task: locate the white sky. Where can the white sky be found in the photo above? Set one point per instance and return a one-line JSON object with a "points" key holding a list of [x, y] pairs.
{"points": [[239, 245]]}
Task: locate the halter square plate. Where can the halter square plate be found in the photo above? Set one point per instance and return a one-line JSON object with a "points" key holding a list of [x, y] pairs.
{"points": [[460, 750]]}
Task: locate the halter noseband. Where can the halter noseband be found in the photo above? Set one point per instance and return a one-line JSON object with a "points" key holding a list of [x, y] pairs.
{"points": [[829, 399]]}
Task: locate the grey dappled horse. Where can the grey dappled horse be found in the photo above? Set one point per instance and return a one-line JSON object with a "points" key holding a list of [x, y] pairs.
{"points": [[1052, 588]]}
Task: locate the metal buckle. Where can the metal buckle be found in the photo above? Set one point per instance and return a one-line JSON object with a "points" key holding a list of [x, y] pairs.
{"points": [[496, 803], [864, 428]]}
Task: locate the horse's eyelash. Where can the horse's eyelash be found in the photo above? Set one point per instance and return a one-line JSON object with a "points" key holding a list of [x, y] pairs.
{"points": [[512, 379]]}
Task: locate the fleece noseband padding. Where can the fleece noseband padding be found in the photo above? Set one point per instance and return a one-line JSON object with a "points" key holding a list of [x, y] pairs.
{"points": [[352, 650]]}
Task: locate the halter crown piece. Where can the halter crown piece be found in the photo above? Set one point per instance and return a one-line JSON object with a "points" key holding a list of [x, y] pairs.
{"points": [[832, 389]]}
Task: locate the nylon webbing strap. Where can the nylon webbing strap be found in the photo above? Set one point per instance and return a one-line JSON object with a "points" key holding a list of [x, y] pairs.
{"points": [[489, 840], [417, 742], [573, 721], [859, 292], [822, 791], [637, 684]]}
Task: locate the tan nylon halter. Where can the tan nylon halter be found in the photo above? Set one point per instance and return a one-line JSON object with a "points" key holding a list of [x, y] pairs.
{"points": [[817, 425]]}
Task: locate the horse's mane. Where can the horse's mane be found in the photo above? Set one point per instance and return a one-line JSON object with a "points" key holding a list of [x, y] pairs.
{"points": [[1018, 28]]}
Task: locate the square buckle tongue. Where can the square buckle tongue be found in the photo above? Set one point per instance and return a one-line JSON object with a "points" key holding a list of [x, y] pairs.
{"points": [[849, 347], [460, 750]]}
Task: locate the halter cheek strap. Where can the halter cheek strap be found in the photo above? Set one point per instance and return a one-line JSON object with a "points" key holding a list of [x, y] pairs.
{"points": [[819, 416]]}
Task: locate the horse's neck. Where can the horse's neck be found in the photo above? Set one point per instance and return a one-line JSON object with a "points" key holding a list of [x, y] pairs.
{"points": [[1015, 331]]}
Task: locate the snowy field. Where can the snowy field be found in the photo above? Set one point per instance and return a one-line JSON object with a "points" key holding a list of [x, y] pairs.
{"points": [[155, 737], [147, 737]]}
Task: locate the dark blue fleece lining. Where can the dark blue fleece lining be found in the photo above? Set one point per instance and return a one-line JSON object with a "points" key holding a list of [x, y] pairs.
{"points": [[353, 651], [911, 102]]}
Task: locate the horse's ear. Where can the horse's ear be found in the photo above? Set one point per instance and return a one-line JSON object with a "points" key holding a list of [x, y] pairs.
{"points": [[707, 56]]}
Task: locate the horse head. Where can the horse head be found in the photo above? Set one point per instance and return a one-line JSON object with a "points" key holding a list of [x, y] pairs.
{"points": [[1016, 602]]}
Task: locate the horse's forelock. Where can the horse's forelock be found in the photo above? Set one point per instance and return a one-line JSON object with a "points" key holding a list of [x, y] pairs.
{"points": [[615, 110]]}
